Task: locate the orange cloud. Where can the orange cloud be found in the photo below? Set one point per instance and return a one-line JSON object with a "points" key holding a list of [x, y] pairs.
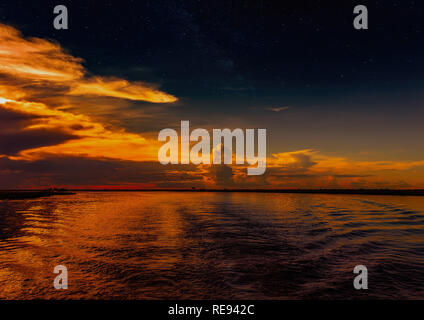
{"points": [[46, 64], [92, 138], [34, 70], [35, 58], [317, 162], [118, 88], [311, 169]]}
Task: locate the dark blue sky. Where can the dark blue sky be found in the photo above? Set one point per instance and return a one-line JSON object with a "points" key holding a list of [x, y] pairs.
{"points": [[265, 50]]}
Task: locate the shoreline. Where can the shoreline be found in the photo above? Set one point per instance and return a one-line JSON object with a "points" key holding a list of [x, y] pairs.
{"points": [[31, 194], [25, 194], [391, 192]]}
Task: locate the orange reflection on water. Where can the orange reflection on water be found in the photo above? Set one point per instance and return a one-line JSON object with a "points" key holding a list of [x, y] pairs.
{"points": [[150, 245]]}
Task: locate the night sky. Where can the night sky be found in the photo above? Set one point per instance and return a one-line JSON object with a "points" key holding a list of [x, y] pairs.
{"points": [[342, 107]]}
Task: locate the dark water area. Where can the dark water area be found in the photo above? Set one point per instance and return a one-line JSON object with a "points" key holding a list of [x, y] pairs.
{"points": [[194, 245]]}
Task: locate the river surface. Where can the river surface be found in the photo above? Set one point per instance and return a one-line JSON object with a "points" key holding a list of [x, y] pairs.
{"points": [[195, 245]]}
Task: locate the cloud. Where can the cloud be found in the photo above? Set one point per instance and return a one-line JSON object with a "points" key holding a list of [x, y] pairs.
{"points": [[17, 133], [118, 88], [44, 64], [277, 109], [222, 175], [80, 172], [295, 161], [36, 59], [310, 168], [81, 135], [40, 84]]}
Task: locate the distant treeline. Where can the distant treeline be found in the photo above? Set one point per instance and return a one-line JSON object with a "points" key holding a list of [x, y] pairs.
{"points": [[394, 192], [28, 194]]}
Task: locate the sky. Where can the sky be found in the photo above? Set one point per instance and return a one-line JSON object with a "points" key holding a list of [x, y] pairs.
{"points": [[82, 108]]}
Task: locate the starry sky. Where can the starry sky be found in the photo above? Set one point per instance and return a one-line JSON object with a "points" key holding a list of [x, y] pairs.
{"points": [[83, 107]]}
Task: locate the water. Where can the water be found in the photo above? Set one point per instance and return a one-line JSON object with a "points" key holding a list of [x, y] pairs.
{"points": [[175, 245]]}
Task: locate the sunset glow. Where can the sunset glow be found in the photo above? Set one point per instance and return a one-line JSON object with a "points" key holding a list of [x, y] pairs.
{"points": [[40, 82]]}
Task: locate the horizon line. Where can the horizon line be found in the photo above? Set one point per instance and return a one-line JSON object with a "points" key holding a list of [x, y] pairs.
{"points": [[364, 191]]}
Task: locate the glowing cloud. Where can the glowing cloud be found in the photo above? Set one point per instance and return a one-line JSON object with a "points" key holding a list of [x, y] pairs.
{"points": [[33, 70], [35, 61], [35, 58], [119, 88], [92, 139]]}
